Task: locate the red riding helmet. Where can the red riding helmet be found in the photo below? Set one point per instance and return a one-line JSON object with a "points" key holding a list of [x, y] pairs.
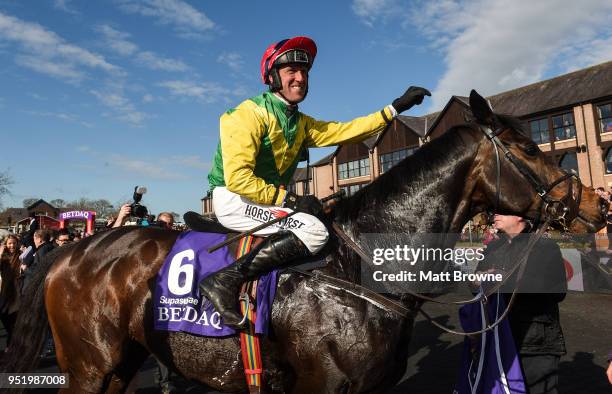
{"points": [[301, 50]]}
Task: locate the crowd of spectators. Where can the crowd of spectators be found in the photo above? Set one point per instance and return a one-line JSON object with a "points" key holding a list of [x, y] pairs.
{"points": [[21, 253]]}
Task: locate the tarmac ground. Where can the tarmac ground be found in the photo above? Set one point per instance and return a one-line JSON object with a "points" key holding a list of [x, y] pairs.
{"points": [[434, 355]]}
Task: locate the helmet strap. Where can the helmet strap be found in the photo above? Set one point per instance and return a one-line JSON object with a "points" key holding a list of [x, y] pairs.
{"points": [[276, 84]]}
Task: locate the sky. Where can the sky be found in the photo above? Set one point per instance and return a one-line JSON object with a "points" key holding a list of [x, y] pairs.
{"points": [[97, 97]]}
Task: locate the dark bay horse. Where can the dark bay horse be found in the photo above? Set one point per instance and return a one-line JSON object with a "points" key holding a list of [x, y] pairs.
{"points": [[97, 294]]}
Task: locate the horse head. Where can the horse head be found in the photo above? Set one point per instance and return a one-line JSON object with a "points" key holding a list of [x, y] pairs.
{"points": [[513, 176]]}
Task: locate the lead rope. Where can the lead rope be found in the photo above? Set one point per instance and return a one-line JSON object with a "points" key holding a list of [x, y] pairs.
{"points": [[387, 304]]}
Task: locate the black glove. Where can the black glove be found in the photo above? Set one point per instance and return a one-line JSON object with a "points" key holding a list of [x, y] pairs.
{"points": [[307, 204], [413, 96]]}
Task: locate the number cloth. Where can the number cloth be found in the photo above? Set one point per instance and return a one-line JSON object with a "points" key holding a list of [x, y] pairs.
{"points": [[176, 300]]}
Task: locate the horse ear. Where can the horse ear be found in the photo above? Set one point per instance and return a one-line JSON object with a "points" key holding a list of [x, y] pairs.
{"points": [[481, 109]]}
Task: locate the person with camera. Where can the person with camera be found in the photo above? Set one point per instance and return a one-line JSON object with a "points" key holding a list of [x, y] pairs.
{"points": [[124, 213], [261, 143]]}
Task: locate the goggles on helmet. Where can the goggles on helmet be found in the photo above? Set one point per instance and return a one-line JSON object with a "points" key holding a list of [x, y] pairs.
{"points": [[293, 56]]}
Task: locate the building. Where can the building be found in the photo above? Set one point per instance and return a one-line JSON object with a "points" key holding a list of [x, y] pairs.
{"points": [[42, 209], [569, 116]]}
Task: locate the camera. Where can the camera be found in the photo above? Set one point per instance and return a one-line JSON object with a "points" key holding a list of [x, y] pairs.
{"points": [[139, 210]]}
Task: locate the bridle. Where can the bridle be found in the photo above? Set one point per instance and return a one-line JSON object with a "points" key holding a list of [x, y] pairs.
{"points": [[550, 210]]}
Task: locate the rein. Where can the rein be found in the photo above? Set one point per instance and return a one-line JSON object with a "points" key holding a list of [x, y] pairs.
{"points": [[393, 306], [549, 206]]}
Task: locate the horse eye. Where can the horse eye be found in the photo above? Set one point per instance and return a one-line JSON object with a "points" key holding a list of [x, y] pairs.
{"points": [[531, 149]]}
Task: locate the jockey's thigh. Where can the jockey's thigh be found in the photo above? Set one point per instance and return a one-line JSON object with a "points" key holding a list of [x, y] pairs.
{"points": [[241, 214]]}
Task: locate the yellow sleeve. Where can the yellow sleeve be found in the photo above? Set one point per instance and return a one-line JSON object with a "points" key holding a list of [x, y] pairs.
{"points": [[319, 133], [241, 133]]}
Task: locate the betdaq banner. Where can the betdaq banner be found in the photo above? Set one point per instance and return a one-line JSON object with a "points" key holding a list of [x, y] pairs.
{"points": [[76, 215]]}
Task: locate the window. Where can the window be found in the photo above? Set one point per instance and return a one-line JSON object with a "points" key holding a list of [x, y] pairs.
{"points": [[605, 117], [352, 189], [569, 162], [609, 161], [388, 160], [563, 126], [539, 131], [354, 169]]}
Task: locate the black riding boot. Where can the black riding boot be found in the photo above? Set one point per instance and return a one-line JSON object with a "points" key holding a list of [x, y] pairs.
{"points": [[222, 288]]}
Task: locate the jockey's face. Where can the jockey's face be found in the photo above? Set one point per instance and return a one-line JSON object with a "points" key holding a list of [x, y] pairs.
{"points": [[294, 80]]}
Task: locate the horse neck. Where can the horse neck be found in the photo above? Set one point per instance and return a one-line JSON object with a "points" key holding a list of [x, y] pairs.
{"points": [[426, 193], [423, 193]]}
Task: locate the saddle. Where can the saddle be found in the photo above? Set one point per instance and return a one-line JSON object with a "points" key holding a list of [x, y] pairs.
{"points": [[201, 223]]}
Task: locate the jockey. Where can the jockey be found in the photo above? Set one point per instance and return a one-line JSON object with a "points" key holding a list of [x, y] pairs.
{"points": [[261, 143]]}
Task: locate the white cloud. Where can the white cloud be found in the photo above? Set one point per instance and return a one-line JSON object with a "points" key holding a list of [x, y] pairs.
{"points": [[114, 98], [147, 168], [37, 96], [494, 46], [44, 51], [186, 20], [63, 6], [372, 11], [72, 118], [232, 59], [64, 71], [148, 98], [118, 42], [154, 62], [207, 92], [194, 161], [83, 148]]}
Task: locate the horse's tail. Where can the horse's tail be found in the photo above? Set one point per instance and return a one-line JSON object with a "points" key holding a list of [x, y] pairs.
{"points": [[31, 327]]}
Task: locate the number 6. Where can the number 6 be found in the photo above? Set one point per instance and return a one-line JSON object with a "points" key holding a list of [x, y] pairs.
{"points": [[175, 271]]}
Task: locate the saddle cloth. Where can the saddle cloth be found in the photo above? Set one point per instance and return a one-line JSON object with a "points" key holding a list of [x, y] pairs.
{"points": [[176, 300]]}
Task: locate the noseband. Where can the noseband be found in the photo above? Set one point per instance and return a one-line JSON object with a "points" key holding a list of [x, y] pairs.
{"points": [[551, 209]]}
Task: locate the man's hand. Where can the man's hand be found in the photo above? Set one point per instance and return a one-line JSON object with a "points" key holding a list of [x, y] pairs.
{"points": [[307, 204], [124, 213], [413, 96]]}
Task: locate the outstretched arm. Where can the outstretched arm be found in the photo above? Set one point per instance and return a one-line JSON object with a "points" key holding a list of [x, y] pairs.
{"points": [[320, 133]]}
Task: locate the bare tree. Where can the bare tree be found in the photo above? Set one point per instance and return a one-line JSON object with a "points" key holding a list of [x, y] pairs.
{"points": [[58, 203], [5, 182], [29, 201]]}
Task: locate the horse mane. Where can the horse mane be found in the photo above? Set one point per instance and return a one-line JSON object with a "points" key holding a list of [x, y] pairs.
{"points": [[419, 166], [412, 170]]}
